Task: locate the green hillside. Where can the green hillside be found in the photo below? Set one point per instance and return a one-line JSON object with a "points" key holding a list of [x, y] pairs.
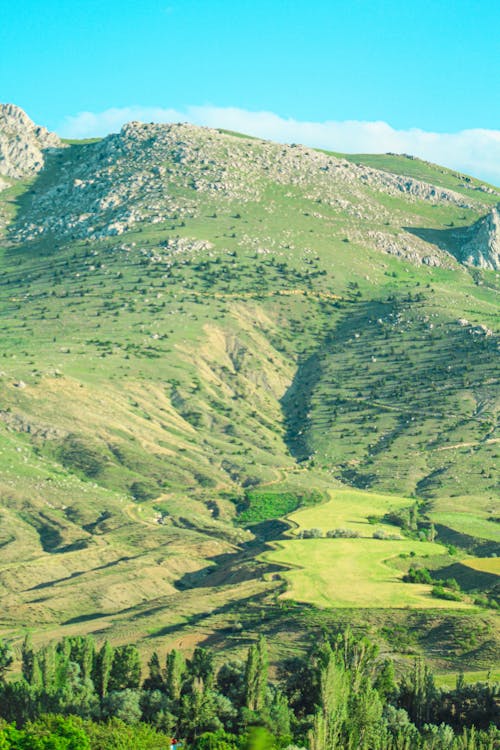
{"points": [[200, 330]]}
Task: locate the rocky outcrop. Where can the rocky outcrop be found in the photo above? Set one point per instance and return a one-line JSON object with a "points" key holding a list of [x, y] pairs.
{"points": [[22, 143], [481, 247], [166, 174]]}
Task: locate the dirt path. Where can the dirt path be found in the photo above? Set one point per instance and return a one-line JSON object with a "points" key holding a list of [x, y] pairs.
{"points": [[131, 512], [468, 445]]}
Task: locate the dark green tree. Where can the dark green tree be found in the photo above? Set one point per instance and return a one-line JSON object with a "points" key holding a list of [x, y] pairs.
{"points": [[154, 680], [256, 676], [102, 669], [27, 658], [418, 694], [125, 669], [6, 659], [175, 674], [329, 720], [201, 665]]}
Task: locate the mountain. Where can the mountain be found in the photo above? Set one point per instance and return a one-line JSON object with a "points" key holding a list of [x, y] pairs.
{"points": [[201, 329]]}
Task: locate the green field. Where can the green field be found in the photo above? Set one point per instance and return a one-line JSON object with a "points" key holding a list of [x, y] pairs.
{"points": [[449, 680], [350, 509], [484, 564], [353, 572]]}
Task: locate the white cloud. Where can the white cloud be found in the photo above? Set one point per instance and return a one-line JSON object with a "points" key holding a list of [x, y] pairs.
{"points": [[475, 151]]}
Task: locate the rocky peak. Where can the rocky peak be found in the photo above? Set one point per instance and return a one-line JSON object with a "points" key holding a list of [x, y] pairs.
{"points": [[482, 245], [22, 143]]}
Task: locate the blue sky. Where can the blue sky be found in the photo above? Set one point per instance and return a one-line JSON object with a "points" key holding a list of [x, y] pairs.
{"points": [[431, 66]]}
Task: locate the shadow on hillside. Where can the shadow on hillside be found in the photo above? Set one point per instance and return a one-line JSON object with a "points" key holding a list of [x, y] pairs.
{"points": [[242, 565], [78, 573], [230, 607], [297, 402], [39, 197], [473, 545], [469, 578], [450, 240]]}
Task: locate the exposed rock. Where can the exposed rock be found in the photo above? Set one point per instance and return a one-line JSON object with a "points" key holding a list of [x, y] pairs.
{"points": [[20, 423], [153, 174], [22, 143], [482, 245]]}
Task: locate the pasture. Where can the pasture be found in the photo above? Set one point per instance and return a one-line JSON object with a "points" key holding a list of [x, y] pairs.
{"points": [[353, 572], [350, 509]]}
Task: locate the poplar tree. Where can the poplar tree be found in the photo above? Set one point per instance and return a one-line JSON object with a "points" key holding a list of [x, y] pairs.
{"points": [[6, 659], [328, 723], [154, 681], [102, 669], [27, 658], [418, 694], [175, 673], [256, 673], [125, 668]]}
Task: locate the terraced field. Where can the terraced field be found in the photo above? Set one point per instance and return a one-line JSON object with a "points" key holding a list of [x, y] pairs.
{"points": [[355, 572]]}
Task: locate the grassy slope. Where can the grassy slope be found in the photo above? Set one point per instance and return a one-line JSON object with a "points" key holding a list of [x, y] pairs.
{"points": [[194, 377], [427, 172]]}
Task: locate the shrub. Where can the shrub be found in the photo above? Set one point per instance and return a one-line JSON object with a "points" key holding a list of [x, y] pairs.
{"points": [[441, 593], [81, 454], [142, 489], [381, 534], [312, 534], [417, 575], [342, 534]]}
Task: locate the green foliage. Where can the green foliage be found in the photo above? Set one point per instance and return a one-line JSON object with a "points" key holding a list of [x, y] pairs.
{"points": [[102, 668], [220, 740], [175, 674], [418, 575], [6, 659], [82, 455], [142, 490], [256, 676], [125, 669], [55, 733], [261, 505], [441, 593], [341, 534], [342, 695]]}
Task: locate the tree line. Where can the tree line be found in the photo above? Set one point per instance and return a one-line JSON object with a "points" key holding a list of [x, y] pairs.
{"points": [[72, 695]]}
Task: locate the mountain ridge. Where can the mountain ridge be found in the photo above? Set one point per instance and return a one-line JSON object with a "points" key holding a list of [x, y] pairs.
{"points": [[102, 198]]}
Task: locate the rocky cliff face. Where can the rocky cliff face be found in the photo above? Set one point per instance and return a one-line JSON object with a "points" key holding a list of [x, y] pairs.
{"points": [[22, 143], [482, 246]]}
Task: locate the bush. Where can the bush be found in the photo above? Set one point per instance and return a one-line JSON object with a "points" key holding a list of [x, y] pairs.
{"points": [[342, 534], [143, 489], [83, 455], [441, 593], [311, 534], [418, 575], [220, 740], [381, 534]]}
